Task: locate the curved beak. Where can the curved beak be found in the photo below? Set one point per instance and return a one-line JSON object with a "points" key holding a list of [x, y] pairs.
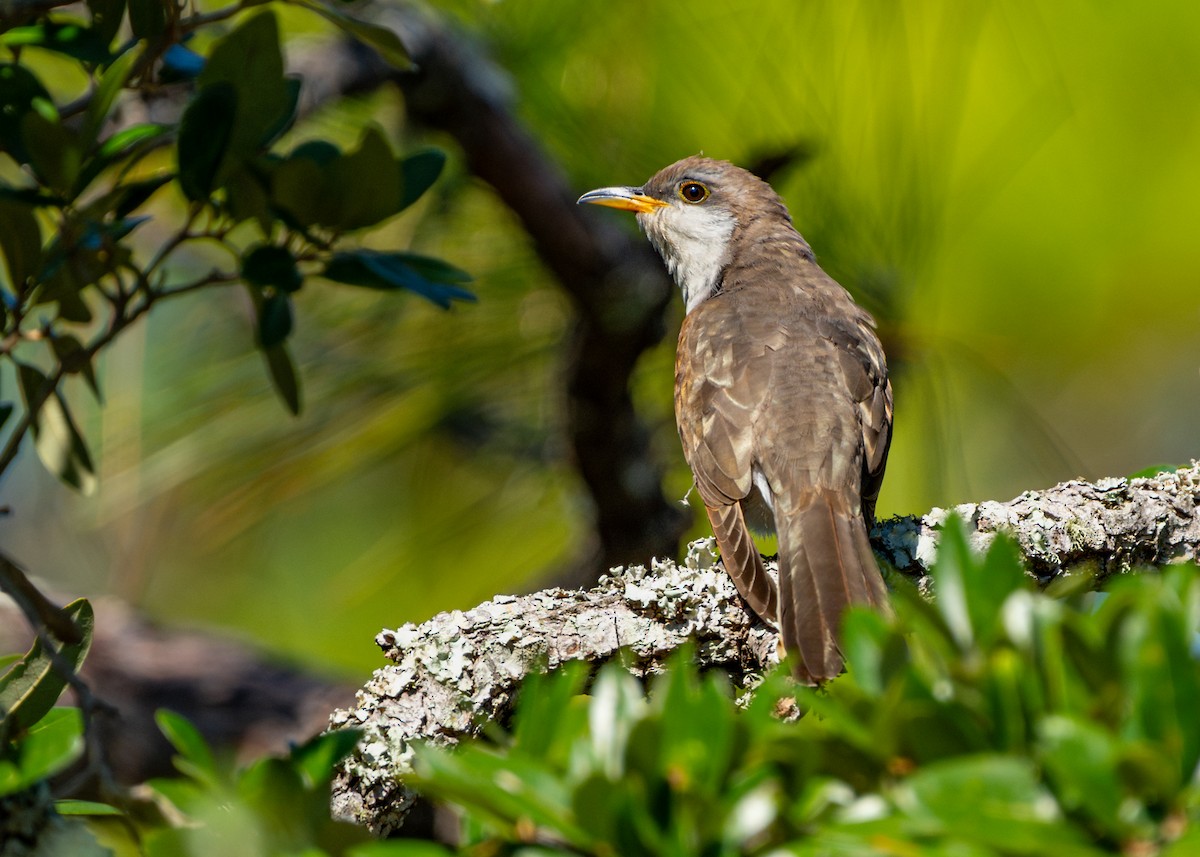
{"points": [[624, 198]]}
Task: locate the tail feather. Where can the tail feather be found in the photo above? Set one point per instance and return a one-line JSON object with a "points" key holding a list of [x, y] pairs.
{"points": [[743, 562], [825, 565]]}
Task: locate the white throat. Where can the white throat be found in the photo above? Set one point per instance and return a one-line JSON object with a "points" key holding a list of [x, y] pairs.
{"points": [[694, 243]]}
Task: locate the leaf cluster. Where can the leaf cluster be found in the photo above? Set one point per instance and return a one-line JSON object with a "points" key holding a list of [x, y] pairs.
{"points": [[77, 182], [995, 721]]}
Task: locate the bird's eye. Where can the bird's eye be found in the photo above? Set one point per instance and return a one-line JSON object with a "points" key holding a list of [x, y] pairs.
{"points": [[693, 192]]}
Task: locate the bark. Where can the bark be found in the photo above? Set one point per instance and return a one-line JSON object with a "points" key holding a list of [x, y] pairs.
{"points": [[456, 672]]}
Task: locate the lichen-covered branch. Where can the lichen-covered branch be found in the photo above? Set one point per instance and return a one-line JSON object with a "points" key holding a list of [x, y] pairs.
{"points": [[460, 670]]}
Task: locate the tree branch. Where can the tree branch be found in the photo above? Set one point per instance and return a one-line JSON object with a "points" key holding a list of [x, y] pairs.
{"points": [[458, 671]]}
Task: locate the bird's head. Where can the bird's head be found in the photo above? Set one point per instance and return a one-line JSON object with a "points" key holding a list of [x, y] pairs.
{"points": [[691, 212]]}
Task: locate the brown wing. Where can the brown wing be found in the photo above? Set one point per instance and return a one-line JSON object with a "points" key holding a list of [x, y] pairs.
{"points": [[721, 383], [865, 373]]}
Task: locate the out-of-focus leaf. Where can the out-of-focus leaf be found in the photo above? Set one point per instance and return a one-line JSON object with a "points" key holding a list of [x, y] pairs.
{"points": [[283, 376], [1081, 761], [389, 271], [195, 759], [21, 242], [274, 319], [147, 19], [18, 90], [385, 42], [418, 172], [111, 82], [315, 759], [59, 444], [317, 185], [204, 135], [85, 807], [73, 40], [434, 269], [32, 685], [1154, 470], [50, 746], [106, 18], [271, 265], [248, 59], [118, 147], [54, 151], [75, 359], [6, 410], [995, 801]]}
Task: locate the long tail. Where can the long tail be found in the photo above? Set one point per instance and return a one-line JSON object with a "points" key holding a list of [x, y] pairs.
{"points": [[825, 565], [743, 561]]}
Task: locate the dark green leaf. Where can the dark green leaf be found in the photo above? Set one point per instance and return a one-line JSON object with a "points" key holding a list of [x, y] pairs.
{"points": [[6, 410], [388, 271], [274, 320], [418, 172], [283, 376], [204, 135], [61, 446], [32, 685], [72, 307], [135, 194], [73, 40], [118, 147], [50, 746], [75, 359], [383, 40], [21, 242], [248, 59], [297, 188], [54, 151], [18, 90], [106, 18], [1080, 759], [195, 759], [147, 19], [363, 187], [270, 265]]}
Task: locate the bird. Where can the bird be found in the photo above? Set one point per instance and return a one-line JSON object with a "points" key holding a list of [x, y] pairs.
{"points": [[782, 400]]}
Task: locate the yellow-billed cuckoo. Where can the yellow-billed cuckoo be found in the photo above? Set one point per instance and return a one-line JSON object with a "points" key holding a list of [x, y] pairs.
{"points": [[781, 395]]}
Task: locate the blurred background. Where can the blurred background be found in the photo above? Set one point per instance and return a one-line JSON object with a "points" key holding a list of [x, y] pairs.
{"points": [[1013, 189]]}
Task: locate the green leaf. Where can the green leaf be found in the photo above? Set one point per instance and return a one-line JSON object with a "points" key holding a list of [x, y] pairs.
{"points": [[205, 132], [1080, 759], [195, 759], [106, 18], [248, 59], [418, 172], [317, 758], [1154, 470], [969, 587], [73, 40], [50, 746], [55, 152], [283, 376], [147, 19], [385, 42], [61, 447], [75, 359], [274, 319], [270, 265], [990, 800], [108, 87], [389, 271], [21, 243], [19, 88], [69, 806], [31, 686]]}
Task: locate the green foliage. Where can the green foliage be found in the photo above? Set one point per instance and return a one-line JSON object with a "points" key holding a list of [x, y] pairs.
{"points": [[70, 213], [996, 720], [33, 683]]}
